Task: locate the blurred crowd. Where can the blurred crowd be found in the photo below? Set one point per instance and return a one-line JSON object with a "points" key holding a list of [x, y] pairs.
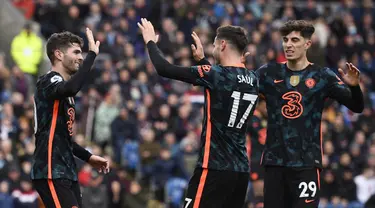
{"points": [[149, 127]]}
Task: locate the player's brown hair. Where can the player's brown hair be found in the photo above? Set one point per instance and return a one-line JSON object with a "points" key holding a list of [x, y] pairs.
{"points": [[236, 35], [304, 27], [61, 41]]}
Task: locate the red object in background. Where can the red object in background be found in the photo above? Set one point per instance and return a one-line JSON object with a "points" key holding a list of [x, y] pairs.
{"points": [[84, 177], [281, 58], [27, 7]]}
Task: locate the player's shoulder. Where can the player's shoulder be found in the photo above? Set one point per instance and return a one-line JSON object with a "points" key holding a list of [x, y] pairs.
{"points": [[218, 68], [323, 70], [49, 77], [269, 66]]}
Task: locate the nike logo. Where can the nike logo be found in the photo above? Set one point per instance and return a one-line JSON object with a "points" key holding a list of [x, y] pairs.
{"points": [[309, 201], [278, 81]]}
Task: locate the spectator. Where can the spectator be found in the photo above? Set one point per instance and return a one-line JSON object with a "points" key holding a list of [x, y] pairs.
{"points": [[149, 151], [94, 195], [6, 200], [136, 197], [27, 50], [122, 128], [25, 196], [365, 184], [106, 113]]}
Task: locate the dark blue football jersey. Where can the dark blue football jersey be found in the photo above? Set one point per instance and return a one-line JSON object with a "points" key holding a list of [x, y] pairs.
{"points": [[231, 94], [54, 119], [295, 101]]}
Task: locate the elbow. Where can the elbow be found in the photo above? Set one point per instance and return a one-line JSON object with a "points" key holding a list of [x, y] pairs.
{"points": [[162, 71], [358, 108]]}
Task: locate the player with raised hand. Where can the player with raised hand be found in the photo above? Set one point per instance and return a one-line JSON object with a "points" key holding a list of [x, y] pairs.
{"points": [[54, 171], [295, 93], [231, 91]]}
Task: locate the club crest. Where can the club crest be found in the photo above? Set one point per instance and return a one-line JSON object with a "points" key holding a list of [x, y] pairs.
{"points": [[294, 80], [310, 83]]}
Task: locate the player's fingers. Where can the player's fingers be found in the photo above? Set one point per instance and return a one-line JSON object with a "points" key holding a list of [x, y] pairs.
{"points": [[87, 31], [89, 35], [97, 43], [193, 47], [157, 38], [348, 65], [354, 68], [141, 26], [106, 168], [196, 38], [341, 72], [143, 20], [150, 24]]}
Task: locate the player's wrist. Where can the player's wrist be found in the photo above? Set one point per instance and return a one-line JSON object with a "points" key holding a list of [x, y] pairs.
{"points": [[93, 52], [200, 58], [353, 85], [149, 42]]}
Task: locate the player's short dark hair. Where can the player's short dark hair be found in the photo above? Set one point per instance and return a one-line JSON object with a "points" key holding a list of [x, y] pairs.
{"points": [[61, 41], [236, 35], [304, 27]]}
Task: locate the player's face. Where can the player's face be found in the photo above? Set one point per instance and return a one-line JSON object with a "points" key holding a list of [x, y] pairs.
{"points": [[72, 58], [295, 46]]}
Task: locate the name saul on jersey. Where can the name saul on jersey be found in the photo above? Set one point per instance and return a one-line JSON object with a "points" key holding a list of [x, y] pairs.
{"points": [[245, 79]]}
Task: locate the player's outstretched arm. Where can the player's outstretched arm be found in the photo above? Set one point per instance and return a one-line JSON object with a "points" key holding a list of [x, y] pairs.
{"points": [[162, 66], [350, 95], [71, 87]]}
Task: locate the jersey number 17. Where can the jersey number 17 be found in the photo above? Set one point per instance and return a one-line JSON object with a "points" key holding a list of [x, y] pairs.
{"points": [[236, 103]]}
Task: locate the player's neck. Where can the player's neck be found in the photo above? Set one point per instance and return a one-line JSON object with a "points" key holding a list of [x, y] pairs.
{"points": [[232, 61], [60, 69], [298, 64]]}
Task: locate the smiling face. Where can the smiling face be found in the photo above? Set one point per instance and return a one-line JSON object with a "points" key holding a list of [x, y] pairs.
{"points": [[295, 46], [64, 49], [72, 58]]}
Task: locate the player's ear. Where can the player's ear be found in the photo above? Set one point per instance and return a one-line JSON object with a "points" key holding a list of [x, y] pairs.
{"points": [[58, 54], [223, 44], [308, 44]]}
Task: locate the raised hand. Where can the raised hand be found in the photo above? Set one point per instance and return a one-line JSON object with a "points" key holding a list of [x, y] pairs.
{"points": [[350, 78], [198, 52], [148, 31], [93, 46]]}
